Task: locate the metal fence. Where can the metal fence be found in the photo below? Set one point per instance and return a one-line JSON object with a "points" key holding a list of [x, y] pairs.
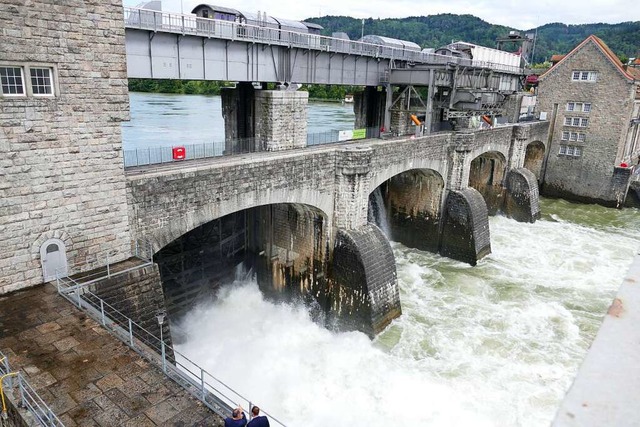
{"points": [[29, 399], [156, 155], [215, 394]]}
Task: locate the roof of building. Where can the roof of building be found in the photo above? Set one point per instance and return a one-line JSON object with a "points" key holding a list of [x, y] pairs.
{"points": [[557, 58], [608, 53]]}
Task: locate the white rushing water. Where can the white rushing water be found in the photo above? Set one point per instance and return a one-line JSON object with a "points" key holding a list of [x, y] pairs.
{"points": [[493, 345]]}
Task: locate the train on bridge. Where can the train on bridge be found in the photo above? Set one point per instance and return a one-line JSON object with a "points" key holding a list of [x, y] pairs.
{"points": [[233, 23]]}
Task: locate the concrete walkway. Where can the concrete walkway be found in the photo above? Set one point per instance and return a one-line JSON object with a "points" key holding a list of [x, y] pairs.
{"points": [[87, 376]]}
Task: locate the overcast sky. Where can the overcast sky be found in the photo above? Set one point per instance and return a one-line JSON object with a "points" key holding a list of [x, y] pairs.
{"points": [[519, 14]]}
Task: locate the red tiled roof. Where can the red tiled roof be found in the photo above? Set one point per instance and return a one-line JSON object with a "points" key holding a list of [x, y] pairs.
{"points": [[557, 58], [607, 52]]}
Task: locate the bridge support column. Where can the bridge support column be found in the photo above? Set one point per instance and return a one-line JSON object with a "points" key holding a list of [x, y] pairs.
{"points": [[369, 108], [364, 284], [364, 291], [401, 123], [522, 201], [281, 119], [238, 113], [465, 231]]}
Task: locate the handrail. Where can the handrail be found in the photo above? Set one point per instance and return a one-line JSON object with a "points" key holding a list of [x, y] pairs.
{"points": [[184, 24], [29, 398], [215, 394]]}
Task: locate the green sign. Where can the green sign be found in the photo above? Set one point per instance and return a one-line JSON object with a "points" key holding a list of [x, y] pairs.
{"points": [[359, 133]]}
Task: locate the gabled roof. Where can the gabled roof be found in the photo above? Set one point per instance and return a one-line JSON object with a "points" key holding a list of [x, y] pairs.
{"points": [[608, 53]]}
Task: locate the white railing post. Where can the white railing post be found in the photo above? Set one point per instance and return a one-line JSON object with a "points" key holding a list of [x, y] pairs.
{"points": [[130, 334], [202, 388], [78, 296], [164, 359], [108, 269], [104, 323]]}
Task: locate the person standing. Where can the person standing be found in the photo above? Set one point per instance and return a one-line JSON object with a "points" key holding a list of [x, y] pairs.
{"points": [[237, 418], [258, 420]]}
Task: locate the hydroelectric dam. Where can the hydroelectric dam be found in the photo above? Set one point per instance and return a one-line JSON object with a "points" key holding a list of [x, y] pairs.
{"points": [[136, 245]]}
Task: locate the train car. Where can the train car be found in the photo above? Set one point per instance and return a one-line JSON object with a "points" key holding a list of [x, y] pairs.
{"points": [[386, 45], [294, 32], [315, 38], [487, 57]]}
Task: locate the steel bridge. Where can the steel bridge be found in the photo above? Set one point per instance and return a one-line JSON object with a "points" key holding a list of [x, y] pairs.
{"points": [[162, 45]]}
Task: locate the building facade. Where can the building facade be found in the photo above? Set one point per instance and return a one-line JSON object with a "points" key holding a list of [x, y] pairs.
{"points": [[593, 103], [63, 96]]}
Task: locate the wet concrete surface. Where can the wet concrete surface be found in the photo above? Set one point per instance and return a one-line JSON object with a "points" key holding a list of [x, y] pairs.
{"points": [[87, 376]]}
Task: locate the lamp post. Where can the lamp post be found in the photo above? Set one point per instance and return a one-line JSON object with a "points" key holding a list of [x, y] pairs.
{"points": [[362, 32], [160, 318]]}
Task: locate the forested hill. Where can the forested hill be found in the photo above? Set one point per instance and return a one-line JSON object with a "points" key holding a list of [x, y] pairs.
{"points": [[437, 30]]}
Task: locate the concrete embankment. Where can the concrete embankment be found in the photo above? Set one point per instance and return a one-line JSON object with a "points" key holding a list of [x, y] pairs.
{"points": [[606, 389]]}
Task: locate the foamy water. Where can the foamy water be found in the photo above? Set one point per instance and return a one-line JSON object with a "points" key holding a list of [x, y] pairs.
{"points": [[493, 345]]}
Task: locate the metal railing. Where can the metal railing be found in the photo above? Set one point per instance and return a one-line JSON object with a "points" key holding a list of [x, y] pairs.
{"points": [[107, 266], [215, 394], [157, 155], [29, 398], [190, 24]]}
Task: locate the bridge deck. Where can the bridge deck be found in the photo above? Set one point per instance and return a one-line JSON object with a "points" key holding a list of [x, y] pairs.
{"points": [[87, 376]]}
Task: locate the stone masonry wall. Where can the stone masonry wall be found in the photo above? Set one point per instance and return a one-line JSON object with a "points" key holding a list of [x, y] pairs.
{"points": [[587, 177], [164, 206], [281, 119], [62, 168]]}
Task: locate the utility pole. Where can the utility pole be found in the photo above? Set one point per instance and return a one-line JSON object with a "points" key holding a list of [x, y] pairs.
{"points": [[181, 8], [362, 33]]}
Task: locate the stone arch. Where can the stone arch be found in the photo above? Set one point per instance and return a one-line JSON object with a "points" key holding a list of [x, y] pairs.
{"points": [[534, 158], [486, 174], [408, 207], [48, 235], [188, 221], [439, 166]]}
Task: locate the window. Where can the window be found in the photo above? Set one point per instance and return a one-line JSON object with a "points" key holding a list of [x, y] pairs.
{"points": [[12, 81], [571, 106], [581, 137], [586, 107], [567, 121], [576, 121], [565, 136], [573, 136], [41, 83], [27, 80], [584, 76], [584, 122], [570, 150]]}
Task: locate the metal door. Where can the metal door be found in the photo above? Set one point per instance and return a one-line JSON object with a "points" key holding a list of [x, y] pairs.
{"points": [[54, 259]]}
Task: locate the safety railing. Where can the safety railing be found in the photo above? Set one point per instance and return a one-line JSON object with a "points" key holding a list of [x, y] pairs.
{"points": [[190, 24], [28, 397], [212, 392], [157, 155], [107, 266]]}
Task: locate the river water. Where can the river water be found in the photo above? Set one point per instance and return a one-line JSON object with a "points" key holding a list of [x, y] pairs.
{"points": [[167, 119], [497, 344]]}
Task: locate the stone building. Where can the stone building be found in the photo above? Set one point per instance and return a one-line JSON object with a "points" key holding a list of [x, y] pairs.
{"points": [[63, 95], [593, 103]]}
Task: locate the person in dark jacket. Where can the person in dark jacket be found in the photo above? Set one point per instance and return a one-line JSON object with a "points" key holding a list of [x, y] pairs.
{"points": [[258, 420], [237, 418]]}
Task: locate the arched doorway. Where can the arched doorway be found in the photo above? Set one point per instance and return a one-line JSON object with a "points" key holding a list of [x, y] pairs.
{"points": [[53, 256]]}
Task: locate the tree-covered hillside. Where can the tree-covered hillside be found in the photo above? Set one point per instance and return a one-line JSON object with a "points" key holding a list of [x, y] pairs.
{"points": [[438, 30]]}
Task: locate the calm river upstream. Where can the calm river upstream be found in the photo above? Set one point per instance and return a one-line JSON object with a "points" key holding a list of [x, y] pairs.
{"points": [[493, 345]]}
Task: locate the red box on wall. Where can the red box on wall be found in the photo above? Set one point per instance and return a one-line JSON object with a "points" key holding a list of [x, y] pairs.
{"points": [[179, 153]]}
